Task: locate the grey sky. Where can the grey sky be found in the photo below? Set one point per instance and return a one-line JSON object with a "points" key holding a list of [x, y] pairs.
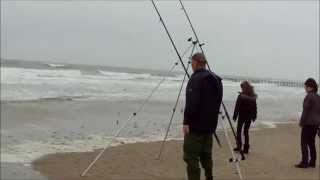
{"points": [[249, 38]]}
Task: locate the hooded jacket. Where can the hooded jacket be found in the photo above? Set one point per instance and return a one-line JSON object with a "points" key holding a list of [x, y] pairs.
{"points": [[311, 110], [246, 108], [203, 100]]}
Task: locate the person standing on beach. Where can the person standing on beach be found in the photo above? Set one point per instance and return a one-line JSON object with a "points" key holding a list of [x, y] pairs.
{"points": [[309, 123], [246, 111], [203, 101]]}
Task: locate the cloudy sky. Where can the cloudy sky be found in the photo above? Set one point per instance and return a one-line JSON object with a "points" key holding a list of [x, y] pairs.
{"points": [[248, 38]]}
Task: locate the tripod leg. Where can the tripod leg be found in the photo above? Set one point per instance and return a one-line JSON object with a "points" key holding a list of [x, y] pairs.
{"points": [[177, 101], [234, 159], [172, 115]]}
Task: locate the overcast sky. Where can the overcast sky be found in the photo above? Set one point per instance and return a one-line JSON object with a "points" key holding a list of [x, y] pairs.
{"points": [[248, 38]]}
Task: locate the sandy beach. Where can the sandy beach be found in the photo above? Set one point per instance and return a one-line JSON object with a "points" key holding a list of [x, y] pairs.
{"points": [[273, 154]]}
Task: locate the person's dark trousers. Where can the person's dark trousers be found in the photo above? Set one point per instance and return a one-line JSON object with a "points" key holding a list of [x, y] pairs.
{"points": [[308, 134], [246, 124], [198, 148]]}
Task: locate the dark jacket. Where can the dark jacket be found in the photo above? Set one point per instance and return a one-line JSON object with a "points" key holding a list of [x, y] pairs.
{"points": [[311, 110], [203, 100], [246, 108]]}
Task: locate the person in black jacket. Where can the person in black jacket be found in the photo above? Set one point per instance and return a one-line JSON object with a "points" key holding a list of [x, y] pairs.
{"points": [[246, 111], [203, 100], [309, 123]]}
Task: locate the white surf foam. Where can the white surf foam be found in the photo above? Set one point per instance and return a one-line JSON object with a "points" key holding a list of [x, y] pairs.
{"points": [[56, 65], [19, 84], [124, 76], [29, 151], [10, 75], [35, 84]]}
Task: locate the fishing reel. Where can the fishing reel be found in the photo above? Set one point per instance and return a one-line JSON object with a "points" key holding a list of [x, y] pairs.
{"points": [[193, 42], [232, 160]]}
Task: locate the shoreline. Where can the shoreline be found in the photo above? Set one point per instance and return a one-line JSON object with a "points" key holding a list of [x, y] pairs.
{"points": [[96, 143], [72, 126], [274, 152]]}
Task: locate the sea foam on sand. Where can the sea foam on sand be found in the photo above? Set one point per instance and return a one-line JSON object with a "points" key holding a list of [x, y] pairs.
{"points": [[28, 151]]}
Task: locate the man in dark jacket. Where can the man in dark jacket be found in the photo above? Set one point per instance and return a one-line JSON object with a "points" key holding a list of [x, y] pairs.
{"points": [[203, 100]]}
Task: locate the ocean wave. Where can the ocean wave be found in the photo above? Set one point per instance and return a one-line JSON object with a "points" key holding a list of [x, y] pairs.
{"points": [[68, 84], [63, 98], [56, 65], [11, 75], [124, 76], [37, 98], [139, 76]]}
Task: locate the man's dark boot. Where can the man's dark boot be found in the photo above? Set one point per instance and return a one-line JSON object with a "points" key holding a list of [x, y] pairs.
{"points": [[237, 149], [209, 178], [312, 164], [246, 148], [301, 165]]}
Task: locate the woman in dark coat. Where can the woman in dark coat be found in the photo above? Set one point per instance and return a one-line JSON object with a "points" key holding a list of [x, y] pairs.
{"points": [[309, 123], [246, 112]]}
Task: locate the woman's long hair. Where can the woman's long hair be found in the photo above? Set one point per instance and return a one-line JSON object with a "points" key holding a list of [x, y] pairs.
{"points": [[312, 83], [248, 89]]}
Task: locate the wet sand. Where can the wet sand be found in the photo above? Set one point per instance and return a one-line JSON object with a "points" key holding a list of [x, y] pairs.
{"points": [[273, 154], [19, 171]]}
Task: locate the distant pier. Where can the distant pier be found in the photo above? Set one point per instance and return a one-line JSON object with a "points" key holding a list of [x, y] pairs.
{"points": [[267, 82]]}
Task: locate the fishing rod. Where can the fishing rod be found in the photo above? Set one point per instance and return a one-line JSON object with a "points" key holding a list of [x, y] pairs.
{"points": [[131, 117], [172, 42], [192, 28], [177, 52], [200, 46]]}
